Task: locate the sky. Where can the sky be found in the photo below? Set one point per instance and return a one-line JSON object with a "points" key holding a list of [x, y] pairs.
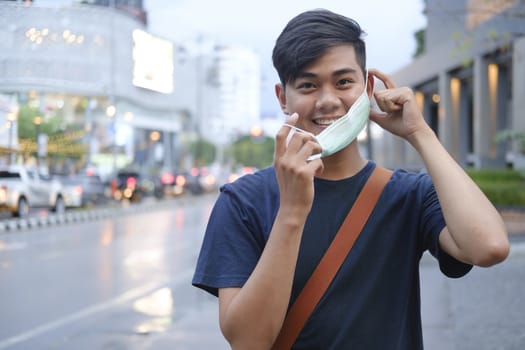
{"points": [[390, 26]]}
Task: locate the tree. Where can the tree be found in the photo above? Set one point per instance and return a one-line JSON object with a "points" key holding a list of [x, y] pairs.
{"points": [[62, 141], [420, 42], [253, 151], [512, 135], [490, 23], [477, 13], [27, 128], [203, 152]]}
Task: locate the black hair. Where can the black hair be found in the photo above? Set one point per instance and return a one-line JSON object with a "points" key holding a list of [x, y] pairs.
{"points": [[309, 35]]}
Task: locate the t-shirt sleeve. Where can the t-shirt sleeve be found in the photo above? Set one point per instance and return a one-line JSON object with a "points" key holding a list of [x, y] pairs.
{"points": [[230, 248], [433, 223]]}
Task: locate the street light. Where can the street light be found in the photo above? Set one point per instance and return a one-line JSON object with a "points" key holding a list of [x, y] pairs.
{"points": [[111, 112], [155, 153], [256, 133], [154, 136], [37, 121], [90, 106], [11, 118]]}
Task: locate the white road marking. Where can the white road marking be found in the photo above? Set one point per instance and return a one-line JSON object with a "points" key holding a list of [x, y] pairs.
{"points": [[122, 299]]}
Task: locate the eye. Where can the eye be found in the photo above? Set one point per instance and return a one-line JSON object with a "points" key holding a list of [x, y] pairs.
{"points": [[345, 83], [305, 86]]}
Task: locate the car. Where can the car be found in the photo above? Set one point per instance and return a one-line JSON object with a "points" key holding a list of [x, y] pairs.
{"points": [[207, 180], [127, 185], [89, 189], [173, 184], [199, 180], [22, 187], [72, 192], [194, 181]]}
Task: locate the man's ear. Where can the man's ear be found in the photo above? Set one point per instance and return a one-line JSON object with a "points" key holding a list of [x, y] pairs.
{"points": [[281, 96], [370, 86]]}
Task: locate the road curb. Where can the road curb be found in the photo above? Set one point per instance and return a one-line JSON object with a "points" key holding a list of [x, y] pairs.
{"points": [[22, 224]]}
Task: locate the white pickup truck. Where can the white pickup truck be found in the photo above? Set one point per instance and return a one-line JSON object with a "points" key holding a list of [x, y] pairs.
{"points": [[22, 188]]}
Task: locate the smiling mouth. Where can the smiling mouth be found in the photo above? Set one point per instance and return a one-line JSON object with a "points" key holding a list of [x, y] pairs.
{"points": [[325, 122]]}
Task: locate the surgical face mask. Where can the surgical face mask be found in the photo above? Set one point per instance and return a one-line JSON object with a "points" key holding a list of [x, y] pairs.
{"points": [[344, 130]]}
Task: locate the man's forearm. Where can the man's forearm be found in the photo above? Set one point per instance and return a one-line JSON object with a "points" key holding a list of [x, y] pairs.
{"points": [[475, 226], [253, 317]]}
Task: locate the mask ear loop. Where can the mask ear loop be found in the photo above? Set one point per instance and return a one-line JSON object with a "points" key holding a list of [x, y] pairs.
{"points": [[373, 103], [293, 130]]}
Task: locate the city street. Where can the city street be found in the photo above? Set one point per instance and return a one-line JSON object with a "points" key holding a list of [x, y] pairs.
{"points": [[141, 109], [124, 282]]}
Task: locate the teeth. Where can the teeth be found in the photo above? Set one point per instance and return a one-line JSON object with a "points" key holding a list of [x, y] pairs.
{"points": [[325, 121]]}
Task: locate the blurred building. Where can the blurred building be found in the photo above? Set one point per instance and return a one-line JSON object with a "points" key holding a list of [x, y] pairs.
{"points": [[139, 99], [218, 89], [469, 82], [98, 69], [236, 79], [133, 8]]}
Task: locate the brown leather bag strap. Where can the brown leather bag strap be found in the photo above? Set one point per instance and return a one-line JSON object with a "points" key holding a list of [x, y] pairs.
{"points": [[333, 258]]}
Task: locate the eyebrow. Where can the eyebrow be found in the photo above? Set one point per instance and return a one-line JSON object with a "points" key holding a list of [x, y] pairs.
{"points": [[344, 71], [337, 73]]}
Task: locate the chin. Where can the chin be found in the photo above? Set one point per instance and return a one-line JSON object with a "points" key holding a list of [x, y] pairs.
{"points": [[316, 129]]}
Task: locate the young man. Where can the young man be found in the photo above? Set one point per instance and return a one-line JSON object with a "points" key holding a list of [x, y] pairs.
{"points": [[268, 231]]}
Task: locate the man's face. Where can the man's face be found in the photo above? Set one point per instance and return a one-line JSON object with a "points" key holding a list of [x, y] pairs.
{"points": [[325, 89]]}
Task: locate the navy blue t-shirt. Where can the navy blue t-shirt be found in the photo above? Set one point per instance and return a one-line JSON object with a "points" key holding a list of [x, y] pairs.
{"points": [[374, 300]]}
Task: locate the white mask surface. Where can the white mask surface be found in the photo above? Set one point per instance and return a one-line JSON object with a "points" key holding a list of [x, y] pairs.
{"points": [[344, 130]]}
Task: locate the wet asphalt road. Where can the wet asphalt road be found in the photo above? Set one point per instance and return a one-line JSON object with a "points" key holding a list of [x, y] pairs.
{"points": [[123, 282], [119, 282]]}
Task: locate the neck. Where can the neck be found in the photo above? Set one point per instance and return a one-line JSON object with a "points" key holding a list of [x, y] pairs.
{"points": [[343, 164]]}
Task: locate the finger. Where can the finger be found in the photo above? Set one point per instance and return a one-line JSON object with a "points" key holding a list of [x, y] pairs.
{"points": [[282, 134], [309, 149], [388, 100], [375, 115], [387, 81], [292, 119], [317, 166], [382, 120], [302, 144], [389, 106]]}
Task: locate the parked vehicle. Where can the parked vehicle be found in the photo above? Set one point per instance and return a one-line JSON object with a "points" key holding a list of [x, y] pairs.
{"points": [[89, 189], [206, 180], [22, 188], [127, 185], [72, 192], [174, 183]]}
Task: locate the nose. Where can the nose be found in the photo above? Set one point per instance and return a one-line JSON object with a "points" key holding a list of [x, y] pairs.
{"points": [[328, 101]]}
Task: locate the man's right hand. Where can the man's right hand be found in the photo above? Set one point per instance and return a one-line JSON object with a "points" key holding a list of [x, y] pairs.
{"points": [[295, 173]]}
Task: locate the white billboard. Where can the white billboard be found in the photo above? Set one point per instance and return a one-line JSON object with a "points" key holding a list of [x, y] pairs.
{"points": [[152, 62]]}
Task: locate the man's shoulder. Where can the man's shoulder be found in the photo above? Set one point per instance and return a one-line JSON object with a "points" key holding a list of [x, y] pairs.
{"points": [[410, 178], [261, 177], [253, 186]]}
